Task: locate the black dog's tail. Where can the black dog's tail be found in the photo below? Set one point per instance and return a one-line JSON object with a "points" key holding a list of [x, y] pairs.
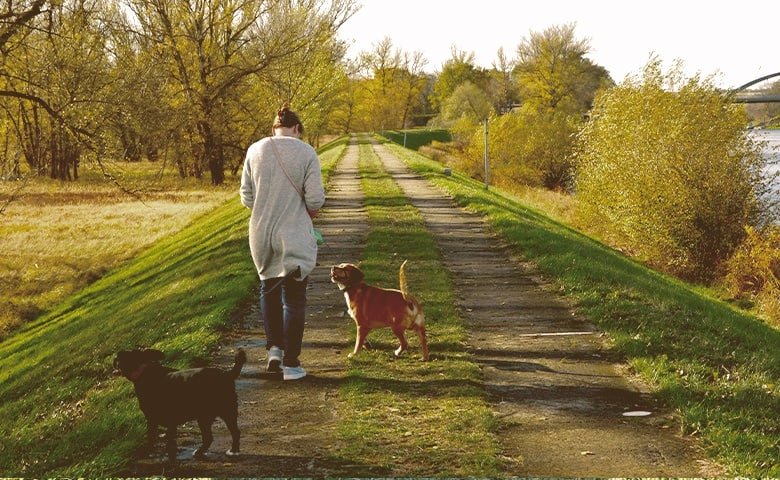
{"points": [[239, 362]]}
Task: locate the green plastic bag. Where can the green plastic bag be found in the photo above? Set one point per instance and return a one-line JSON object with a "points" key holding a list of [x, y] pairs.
{"points": [[318, 236]]}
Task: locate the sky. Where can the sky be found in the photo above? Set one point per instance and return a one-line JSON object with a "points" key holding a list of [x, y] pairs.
{"points": [[735, 42]]}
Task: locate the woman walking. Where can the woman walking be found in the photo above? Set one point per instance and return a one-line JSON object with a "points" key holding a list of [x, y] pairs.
{"points": [[282, 185]]}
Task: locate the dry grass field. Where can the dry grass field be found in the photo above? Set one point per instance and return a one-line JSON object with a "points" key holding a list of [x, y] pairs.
{"points": [[56, 237]]}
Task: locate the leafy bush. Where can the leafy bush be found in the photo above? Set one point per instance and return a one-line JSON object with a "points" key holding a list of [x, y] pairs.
{"points": [[666, 164], [442, 152], [527, 148], [753, 272], [468, 100], [464, 131]]}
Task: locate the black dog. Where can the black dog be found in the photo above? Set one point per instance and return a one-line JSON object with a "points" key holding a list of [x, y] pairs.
{"points": [[171, 397]]}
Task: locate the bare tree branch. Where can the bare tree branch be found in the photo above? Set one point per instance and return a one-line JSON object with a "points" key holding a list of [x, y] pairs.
{"points": [[14, 21]]}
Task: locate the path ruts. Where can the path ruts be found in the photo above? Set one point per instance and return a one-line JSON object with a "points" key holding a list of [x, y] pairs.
{"points": [[548, 374], [288, 428]]}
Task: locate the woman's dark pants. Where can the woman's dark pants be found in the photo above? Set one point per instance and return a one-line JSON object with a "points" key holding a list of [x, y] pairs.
{"points": [[283, 309]]}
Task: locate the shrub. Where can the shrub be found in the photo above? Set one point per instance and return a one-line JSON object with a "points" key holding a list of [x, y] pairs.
{"points": [[667, 166], [753, 272], [432, 153], [468, 100], [526, 148], [464, 131], [441, 152]]}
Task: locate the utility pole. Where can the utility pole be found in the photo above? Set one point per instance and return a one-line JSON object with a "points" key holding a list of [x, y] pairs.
{"points": [[487, 157]]}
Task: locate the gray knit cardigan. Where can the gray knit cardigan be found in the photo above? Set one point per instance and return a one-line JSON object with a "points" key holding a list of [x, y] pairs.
{"points": [[281, 236]]}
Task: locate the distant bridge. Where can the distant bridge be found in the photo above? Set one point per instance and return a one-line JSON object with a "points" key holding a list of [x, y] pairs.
{"points": [[743, 95]]}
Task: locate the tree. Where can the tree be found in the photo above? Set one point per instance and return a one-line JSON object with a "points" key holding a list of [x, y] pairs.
{"points": [[502, 86], [142, 119], [17, 22], [555, 83], [57, 79], [412, 81], [213, 50], [468, 100], [460, 68], [381, 100], [554, 73], [344, 116], [391, 85], [666, 166]]}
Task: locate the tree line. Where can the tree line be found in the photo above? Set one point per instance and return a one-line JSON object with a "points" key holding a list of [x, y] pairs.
{"points": [[187, 82], [194, 82], [660, 162]]}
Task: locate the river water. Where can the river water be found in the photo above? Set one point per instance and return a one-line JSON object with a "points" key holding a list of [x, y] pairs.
{"points": [[771, 152]]}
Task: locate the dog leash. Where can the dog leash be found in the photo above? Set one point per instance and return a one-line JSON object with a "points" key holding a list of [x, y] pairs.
{"points": [[284, 170], [317, 234]]}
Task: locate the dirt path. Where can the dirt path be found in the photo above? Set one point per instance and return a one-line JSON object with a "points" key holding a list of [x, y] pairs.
{"points": [[287, 428], [549, 375]]}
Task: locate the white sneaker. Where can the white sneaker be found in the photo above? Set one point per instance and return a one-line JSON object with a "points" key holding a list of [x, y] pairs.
{"points": [[275, 355], [294, 373]]}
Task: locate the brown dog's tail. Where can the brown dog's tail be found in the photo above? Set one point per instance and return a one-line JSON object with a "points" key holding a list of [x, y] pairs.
{"points": [[402, 281], [239, 363]]}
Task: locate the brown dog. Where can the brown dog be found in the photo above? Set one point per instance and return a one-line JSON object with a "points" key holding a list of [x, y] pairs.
{"points": [[373, 307]]}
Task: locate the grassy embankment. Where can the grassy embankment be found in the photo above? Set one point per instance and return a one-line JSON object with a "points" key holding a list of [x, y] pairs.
{"points": [[61, 413], [717, 366], [407, 417], [57, 237]]}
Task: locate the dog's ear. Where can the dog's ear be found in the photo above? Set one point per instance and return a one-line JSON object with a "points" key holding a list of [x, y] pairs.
{"points": [[118, 358], [356, 275], [151, 355]]}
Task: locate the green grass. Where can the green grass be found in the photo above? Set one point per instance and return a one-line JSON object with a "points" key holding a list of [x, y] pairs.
{"points": [[408, 417], [61, 412], [416, 138], [718, 367], [329, 154]]}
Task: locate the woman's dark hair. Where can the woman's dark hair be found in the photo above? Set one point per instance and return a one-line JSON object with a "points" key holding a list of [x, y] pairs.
{"points": [[287, 118]]}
